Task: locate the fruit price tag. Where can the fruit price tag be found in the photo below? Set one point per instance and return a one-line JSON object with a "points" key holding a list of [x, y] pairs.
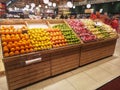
{"points": [[98, 24], [33, 61]]}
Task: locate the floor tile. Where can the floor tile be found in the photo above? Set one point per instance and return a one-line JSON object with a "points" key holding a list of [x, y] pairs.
{"points": [[111, 68], [99, 74], [82, 81], [40, 85], [61, 85], [3, 83], [61, 77], [79, 70], [116, 62]]}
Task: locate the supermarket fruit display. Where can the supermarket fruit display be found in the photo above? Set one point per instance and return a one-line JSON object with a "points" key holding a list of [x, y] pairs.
{"points": [[81, 31], [40, 39], [99, 29], [68, 33], [112, 32], [57, 38], [14, 42]]}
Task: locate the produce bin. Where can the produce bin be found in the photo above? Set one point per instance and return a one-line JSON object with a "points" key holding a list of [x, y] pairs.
{"points": [[65, 59], [94, 51], [26, 69]]}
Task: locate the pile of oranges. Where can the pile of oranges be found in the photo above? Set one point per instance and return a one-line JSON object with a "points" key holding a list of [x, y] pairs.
{"points": [[14, 42]]}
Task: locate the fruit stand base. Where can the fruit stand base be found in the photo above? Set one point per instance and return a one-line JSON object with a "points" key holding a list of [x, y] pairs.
{"points": [[94, 51]]}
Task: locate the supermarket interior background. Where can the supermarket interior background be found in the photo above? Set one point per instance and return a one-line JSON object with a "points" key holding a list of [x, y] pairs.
{"points": [[59, 44]]}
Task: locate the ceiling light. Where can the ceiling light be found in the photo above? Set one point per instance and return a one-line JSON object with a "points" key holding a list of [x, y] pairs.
{"points": [[27, 6], [46, 1], [50, 4], [39, 6], [69, 4], [88, 5], [54, 4], [46, 6], [32, 4], [73, 6]]}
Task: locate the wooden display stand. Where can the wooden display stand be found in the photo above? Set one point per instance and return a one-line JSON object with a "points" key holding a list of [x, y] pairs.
{"points": [[97, 50], [26, 69], [65, 59], [22, 70], [29, 68]]}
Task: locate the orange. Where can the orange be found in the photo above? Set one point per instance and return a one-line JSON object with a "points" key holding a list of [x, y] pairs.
{"points": [[11, 53], [16, 43], [17, 52], [19, 31], [5, 49], [11, 31], [22, 51], [4, 43], [9, 46], [31, 50], [17, 48], [8, 39], [19, 44], [7, 31], [31, 46], [13, 45], [12, 49], [27, 50], [11, 27], [22, 47], [3, 35], [6, 54], [26, 47], [7, 36], [12, 36], [3, 39]]}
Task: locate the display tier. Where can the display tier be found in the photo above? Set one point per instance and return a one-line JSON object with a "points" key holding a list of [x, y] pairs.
{"points": [[99, 29], [69, 35], [15, 41], [55, 50], [34, 36], [82, 32]]}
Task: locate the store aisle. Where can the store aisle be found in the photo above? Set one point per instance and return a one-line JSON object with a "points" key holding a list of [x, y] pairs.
{"points": [[88, 77]]}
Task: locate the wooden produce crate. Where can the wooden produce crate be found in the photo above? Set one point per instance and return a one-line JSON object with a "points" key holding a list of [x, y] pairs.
{"points": [[65, 59], [26, 69], [37, 24], [97, 50], [14, 22], [53, 22]]}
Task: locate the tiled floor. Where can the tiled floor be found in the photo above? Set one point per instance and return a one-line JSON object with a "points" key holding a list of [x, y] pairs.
{"points": [[88, 77], [1, 64]]}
